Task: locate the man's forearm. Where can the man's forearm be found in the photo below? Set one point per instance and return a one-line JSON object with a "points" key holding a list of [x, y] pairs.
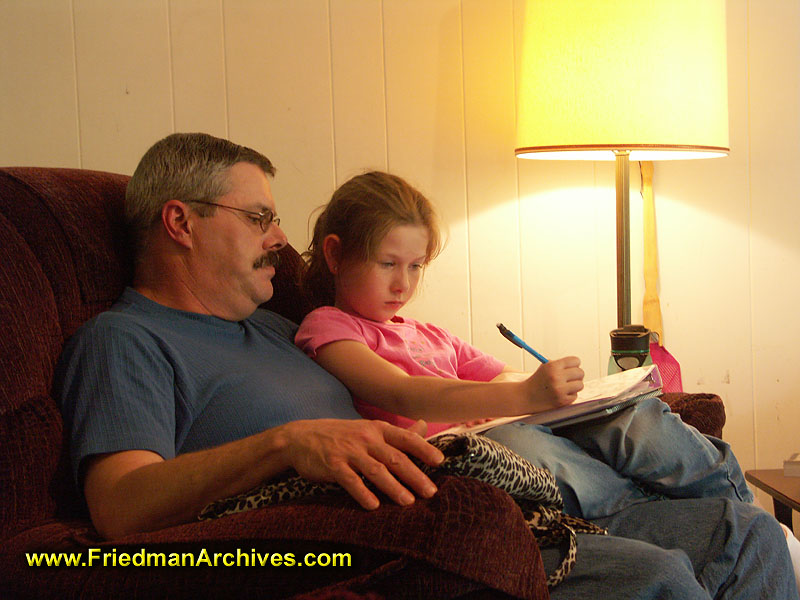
{"points": [[136, 491]]}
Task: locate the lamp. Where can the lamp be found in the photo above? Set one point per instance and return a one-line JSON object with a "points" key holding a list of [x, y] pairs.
{"points": [[623, 80]]}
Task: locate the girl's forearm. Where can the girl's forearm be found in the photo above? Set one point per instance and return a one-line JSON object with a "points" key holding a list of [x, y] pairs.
{"points": [[437, 399], [378, 382]]}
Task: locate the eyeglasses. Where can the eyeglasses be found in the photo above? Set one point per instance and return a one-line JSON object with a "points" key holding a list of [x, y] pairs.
{"points": [[265, 218]]}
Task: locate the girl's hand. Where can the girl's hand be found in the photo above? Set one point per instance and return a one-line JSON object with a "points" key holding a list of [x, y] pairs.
{"points": [[555, 383], [474, 422]]}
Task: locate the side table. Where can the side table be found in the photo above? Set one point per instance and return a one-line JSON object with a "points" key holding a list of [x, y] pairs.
{"points": [[785, 491]]}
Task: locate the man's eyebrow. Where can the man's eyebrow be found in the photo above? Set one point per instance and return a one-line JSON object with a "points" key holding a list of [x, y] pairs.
{"points": [[261, 208]]}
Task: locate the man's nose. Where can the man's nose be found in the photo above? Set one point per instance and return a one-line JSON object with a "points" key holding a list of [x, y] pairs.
{"points": [[274, 238]]}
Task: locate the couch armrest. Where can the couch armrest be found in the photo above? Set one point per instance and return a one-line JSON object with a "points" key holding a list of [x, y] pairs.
{"points": [[705, 412]]}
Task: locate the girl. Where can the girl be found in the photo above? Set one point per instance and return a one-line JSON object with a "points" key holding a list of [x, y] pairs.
{"points": [[366, 260], [369, 249]]}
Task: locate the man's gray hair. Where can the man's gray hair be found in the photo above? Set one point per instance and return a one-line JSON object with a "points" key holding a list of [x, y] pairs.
{"points": [[186, 167]]}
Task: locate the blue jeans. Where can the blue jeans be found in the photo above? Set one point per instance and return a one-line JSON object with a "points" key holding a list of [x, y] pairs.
{"points": [[683, 549], [641, 454]]}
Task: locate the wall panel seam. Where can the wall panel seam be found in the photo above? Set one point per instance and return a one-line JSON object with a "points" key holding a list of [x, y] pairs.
{"points": [[331, 75], [464, 159], [749, 200], [225, 70], [171, 61], [385, 90], [79, 139]]}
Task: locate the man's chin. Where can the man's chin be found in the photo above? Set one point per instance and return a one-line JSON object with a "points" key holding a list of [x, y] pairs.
{"points": [[267, 293], [265, 275]]}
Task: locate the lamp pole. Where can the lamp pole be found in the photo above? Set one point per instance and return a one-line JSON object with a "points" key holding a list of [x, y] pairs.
{"points": [[622, 163]]}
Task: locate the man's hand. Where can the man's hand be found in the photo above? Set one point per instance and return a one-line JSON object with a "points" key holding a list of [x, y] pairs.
{"points": [[343, 451]]}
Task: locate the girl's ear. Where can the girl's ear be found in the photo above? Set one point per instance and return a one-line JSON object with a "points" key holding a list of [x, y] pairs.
{"points": [[175, 218], [332, 250]]}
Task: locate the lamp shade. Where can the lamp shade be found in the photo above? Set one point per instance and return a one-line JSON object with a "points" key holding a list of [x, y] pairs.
{"points": [[645, 76]]}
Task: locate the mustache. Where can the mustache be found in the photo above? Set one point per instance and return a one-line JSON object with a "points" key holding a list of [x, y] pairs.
{"points": [[270, 259]]}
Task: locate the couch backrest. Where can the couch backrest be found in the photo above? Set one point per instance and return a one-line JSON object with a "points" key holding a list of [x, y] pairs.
{"points": [[66, 257]]}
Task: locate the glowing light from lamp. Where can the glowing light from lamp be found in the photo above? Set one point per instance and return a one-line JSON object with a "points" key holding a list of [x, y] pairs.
{"points": [[641, 75], [623, 80]]}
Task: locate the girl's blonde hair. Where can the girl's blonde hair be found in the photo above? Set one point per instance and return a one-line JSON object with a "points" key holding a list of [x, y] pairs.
{"points": [[361, 212]]}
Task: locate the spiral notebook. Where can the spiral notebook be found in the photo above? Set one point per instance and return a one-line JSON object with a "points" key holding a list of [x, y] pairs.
{"points": [[599, 398]]}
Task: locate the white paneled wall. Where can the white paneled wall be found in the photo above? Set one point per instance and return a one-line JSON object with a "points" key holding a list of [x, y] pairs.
{"points": [[38, 85], [197, 57], [425, 88]]}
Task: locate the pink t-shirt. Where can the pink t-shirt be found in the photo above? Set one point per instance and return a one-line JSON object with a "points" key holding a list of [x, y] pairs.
{"points": [[417, 348]]}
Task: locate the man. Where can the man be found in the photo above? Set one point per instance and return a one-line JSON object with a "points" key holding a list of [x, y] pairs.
{"points": [[200, 267], [184, 393]]}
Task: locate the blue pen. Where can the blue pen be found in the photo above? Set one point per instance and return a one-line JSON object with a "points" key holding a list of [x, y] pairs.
{"points": [[518, 341]]}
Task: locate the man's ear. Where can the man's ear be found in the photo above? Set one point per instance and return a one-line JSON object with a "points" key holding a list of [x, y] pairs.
{"points": [[175, 217], [332, 250]]}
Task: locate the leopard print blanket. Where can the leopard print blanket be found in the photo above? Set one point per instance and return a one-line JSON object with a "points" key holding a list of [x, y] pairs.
{"points": [[467, 455]]}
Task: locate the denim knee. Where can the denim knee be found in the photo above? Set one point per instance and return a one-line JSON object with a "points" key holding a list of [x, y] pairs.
{"points": [[620, 568]]}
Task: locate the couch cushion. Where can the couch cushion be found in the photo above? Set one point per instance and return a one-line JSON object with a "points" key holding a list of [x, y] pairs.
{"points": [[72, 221], [30, 423], [56, 273]]}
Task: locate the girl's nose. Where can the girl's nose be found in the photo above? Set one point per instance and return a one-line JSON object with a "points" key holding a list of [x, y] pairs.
{"points": [[400, 281]]}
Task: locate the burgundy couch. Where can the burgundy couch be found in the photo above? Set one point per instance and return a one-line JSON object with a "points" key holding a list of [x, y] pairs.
{"points": [[66, 258]]}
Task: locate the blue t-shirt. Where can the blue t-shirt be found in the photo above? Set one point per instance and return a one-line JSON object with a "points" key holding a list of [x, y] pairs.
{"points": [[142, 376]]}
